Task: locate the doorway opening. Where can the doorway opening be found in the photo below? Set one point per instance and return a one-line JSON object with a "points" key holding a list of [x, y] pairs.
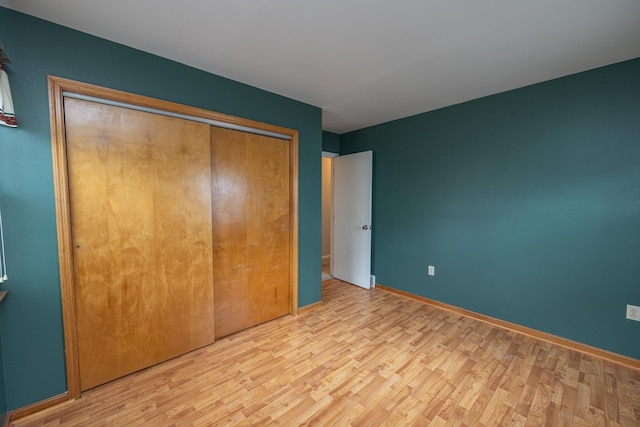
{"points": [[327, 211]]}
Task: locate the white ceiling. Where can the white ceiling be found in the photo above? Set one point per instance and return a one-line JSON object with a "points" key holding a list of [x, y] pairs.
{"points": [[366, 62]]}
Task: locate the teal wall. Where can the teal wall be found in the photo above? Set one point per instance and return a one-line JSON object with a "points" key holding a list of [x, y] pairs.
{"points": [[526, 202], [31, 322], [330, 142]]}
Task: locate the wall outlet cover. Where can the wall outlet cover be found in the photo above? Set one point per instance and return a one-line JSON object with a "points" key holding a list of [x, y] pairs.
{"points": [[431, 270], [633, 312]]}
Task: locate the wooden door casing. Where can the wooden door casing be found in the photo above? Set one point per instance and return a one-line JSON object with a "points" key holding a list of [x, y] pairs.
{"points": [[140, 197], [251, 229]]}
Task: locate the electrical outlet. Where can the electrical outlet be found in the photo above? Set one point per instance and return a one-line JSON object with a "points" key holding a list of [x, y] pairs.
{"points": [[431, 270], [633, 312]]}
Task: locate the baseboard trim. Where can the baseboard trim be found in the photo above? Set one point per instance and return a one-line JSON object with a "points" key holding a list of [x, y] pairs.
{"points": [[534, 333], [310, 307], [35, 407]]}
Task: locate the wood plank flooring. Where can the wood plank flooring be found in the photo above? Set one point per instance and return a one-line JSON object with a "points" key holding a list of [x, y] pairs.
{"points": [[366, 358]]}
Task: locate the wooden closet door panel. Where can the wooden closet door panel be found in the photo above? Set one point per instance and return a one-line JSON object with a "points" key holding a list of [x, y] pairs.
{"points": [[140, 199], [251, 236]]}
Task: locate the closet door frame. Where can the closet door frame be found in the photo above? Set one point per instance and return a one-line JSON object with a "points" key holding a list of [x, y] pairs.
{"points": [[57, 87]]}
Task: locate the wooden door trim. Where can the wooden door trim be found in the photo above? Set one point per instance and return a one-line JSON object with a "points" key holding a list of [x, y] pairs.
{"points": [[293, 208], [63, 227], [57, 87]]}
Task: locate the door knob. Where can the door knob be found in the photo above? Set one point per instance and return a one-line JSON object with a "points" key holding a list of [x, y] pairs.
{"points": [[367, 227]]}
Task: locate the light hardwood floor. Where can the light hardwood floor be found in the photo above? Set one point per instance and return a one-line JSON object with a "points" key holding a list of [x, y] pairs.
{"points": [[366, 358]]}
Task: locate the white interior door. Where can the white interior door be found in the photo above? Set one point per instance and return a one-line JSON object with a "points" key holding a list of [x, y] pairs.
{"points": [[351, 242]]}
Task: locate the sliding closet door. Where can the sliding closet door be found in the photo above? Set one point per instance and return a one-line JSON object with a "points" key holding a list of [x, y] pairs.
{"points": [[140, 199], [251, 235]]}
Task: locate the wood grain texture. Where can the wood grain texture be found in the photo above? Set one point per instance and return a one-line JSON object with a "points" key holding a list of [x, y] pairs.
{"points": [[367, 357], [251, 229], [293, 225], [67, 85], [63, 230], [140, 196], [37, 407], [57, 87], [554, 339]]}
